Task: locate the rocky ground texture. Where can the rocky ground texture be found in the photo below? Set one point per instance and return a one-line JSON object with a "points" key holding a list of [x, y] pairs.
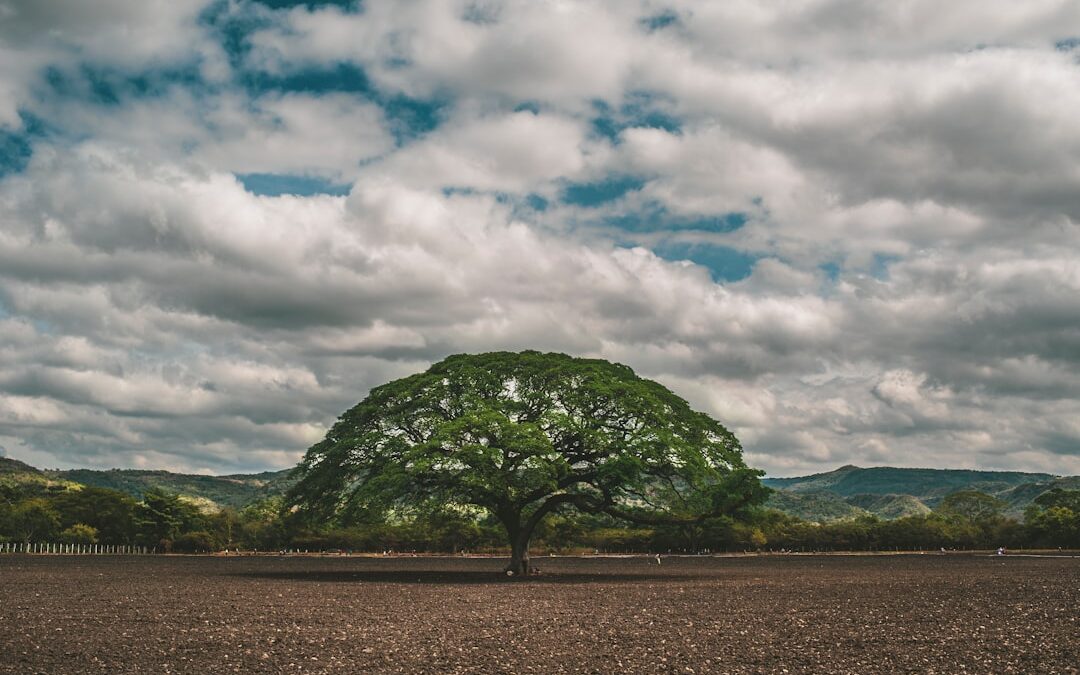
{"points": [[834, 614]]}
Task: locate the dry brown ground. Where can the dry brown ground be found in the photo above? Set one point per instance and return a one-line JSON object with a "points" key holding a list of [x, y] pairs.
{"points": [[450, 615]]}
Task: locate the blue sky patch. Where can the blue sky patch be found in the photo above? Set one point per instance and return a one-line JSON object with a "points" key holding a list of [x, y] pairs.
{"points": [[724, 263], [412, 117], [640, 110], [341, 77], [536, 202], [528, 106], [233, 28], [879, 268], [481, 14], [408, 117], [655, 217], [354, 5], [110, 87], [600, 192], [277, 184], [831, 270], [17, 147], [451, 190], [659, 21], [15, 152]]}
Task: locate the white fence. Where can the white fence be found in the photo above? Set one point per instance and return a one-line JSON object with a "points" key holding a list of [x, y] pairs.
{"points": [[72, 549]]}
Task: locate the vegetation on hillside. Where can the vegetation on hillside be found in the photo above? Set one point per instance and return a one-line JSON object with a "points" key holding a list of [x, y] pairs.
{"points": [[233, 491], [35, 506], [929, 485]]}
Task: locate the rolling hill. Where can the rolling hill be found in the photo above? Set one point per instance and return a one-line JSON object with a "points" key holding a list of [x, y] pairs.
{"points": [[216, 492], [234, 491], [929, 485], [20, 478], [890, 492], [847, 492]]}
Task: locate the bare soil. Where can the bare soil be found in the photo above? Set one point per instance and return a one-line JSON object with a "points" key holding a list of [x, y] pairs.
{"points": [[829, 614]]}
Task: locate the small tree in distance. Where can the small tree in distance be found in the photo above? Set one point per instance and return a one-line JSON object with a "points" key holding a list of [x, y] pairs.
{"points": [[522, 436]]}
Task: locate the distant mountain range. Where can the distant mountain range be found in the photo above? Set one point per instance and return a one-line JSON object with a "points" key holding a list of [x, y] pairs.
{"points": [[847, 492], [890, 492], [234, 491]]}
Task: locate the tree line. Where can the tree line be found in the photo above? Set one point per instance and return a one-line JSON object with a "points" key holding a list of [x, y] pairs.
{"points": [[170, 523]]}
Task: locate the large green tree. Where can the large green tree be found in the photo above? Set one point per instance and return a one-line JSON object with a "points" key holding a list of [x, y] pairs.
{"points": [[110, 512], [522, 436]]}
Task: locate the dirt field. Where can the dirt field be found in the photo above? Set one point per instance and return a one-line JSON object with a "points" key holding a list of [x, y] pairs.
{"points": [[445, 615]]}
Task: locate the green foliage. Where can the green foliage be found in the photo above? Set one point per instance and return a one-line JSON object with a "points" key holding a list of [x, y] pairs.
{"points": [[110, 513], [195, 542], [30, 520], [161, 517], [524, 436], [1053, 519], [79, 533]]}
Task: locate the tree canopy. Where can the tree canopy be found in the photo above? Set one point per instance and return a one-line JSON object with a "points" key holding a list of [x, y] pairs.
{"points": [[524, 435]]}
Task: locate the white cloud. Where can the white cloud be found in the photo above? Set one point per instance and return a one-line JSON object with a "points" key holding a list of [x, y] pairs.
{"points": [[512, 152], [908, 173]]}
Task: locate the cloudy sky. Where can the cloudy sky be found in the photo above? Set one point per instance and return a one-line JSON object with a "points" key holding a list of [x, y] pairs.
{"points": [[850, 230]]}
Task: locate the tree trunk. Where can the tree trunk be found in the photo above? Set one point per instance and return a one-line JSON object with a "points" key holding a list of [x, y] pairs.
{"points": [[520, 556], [519, 551]]}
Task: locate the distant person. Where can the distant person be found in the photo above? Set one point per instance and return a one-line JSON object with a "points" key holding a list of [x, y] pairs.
{"points": [[658, 559], [1001, 550]]}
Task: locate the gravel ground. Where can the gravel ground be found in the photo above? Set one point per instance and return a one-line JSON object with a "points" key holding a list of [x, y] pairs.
{"points": [[835, 614]]}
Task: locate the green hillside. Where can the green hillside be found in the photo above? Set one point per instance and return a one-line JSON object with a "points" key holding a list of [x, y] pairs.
{"points": [[235, 491], [19, 480], [818, 507], [847, 492], [825, 507], [890, 492], [15, 466], [929, 485], [1018, 498], [889, 507]]}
